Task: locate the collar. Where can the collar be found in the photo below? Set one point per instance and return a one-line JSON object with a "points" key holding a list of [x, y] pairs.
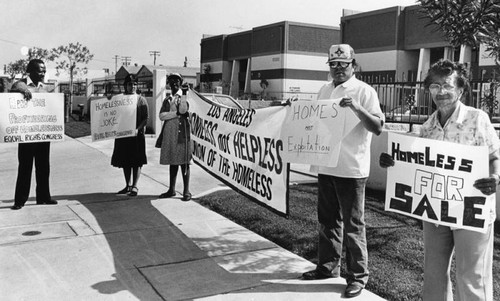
{"points": [[178, 94], [460, 111], [348, 83], [30, 83], [457, 116]]}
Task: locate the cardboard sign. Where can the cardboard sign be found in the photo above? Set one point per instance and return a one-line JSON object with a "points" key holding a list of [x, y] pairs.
{"points": [[433, 181], [313, 131], [39, 119], [114, 118]]}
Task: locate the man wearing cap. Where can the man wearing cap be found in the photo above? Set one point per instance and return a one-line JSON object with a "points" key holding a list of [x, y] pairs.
{"points": [[341, 189]]}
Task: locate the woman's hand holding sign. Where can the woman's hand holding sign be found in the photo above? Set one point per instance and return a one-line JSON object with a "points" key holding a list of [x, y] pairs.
{"points": [[487, 185], [386, 160]]}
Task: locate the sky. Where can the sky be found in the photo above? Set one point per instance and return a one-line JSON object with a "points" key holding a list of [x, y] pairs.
{"points": [[126, 28]]}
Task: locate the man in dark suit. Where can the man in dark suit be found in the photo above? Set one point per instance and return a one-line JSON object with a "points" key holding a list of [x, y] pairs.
{"points": [[37, 151]]}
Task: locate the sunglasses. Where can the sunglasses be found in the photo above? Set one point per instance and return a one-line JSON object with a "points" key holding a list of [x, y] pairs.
{"points": [[339, 64]]}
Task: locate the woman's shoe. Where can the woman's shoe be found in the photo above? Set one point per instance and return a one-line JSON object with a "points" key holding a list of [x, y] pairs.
{"points": [[186, 197], [133, 191], [168, 194], [125, 190]]}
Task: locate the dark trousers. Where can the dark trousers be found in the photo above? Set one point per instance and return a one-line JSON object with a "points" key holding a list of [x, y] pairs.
{"points": [[26, 152], [341, 203]]}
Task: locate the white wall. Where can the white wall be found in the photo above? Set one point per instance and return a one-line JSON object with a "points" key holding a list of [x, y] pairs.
{"points": [[267, 62], [377, 61]]}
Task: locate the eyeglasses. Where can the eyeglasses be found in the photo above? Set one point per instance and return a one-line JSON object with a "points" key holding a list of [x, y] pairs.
{"points": [[437, 87], [339, 64]]}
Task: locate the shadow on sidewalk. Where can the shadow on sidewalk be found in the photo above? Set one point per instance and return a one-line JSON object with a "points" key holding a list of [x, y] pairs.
{"points": [[152, 257]]}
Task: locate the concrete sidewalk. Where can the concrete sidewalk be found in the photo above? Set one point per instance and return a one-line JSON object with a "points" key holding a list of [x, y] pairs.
{"points": [[95, 245]]}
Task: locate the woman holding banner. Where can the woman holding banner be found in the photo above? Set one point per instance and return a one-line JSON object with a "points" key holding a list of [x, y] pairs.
{"points": [[176, 141], [129, 153], [453, 121]]}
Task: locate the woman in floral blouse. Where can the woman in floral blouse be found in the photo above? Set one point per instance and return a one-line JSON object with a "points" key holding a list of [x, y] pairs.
{"points": [[453, 121]]}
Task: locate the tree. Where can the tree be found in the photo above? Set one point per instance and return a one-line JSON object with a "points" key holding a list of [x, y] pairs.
{"points": [[19, 67], [207, 70], [465, 22], [40, 53], [470, 23], [68, 57], [15, 68]]}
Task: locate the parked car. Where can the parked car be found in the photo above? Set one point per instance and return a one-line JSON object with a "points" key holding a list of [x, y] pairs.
{"points": [[223, 100], [416, 115]]}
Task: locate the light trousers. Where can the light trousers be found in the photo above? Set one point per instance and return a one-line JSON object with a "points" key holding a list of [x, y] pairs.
{"points": [[473, 259]]}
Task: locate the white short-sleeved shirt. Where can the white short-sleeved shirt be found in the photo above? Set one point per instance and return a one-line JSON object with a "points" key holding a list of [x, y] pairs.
{"points": [[467, 125], [354, 157], [35, 88]]}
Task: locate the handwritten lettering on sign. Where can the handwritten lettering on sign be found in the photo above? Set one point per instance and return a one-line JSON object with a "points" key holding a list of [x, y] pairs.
{"points": [[114, 118], [313, 131], [433, 181], [36, 120], [243, 149]]}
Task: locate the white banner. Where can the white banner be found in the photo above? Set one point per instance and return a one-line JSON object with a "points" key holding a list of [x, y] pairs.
{"points": [[243, 149], [433, 181], [313, 130], [36, 120], [114, 118]]}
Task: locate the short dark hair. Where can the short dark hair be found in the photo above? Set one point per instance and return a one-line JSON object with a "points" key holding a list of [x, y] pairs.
{"points": [[33, 64], [172, 76], [445, 67], [355, 66], [130, 78]]}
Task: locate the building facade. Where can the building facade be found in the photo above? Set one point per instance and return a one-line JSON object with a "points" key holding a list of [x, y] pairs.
{"points": [[269, 62], [399, 44], [285, 59]]}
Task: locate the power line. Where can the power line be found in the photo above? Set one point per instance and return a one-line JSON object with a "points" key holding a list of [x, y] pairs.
{"points": [[126, 60], [154, 53], [12, 42], [32, 46]]}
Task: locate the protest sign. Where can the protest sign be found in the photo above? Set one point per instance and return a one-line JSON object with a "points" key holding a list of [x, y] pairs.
{"points": [[243, 149], [433, 181], [39, 119], [313, 131], [113, 118]]}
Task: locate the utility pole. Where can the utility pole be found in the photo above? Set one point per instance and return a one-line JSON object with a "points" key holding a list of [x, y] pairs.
{"points": [[116, 62], [154, 53], [126, 60]]}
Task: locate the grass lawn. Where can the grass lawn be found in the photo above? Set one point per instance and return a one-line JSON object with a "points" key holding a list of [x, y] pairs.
{"points": [[395, 243], [76, 128]]}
